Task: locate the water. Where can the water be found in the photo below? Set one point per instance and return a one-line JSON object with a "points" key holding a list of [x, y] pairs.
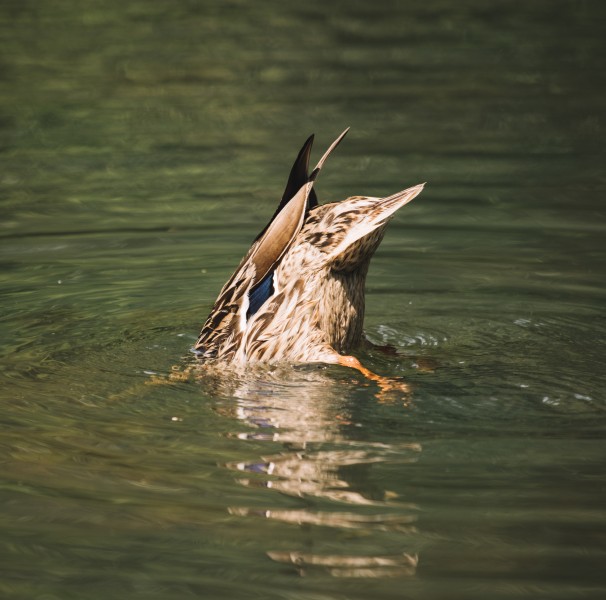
{"points": [[144, 145]]}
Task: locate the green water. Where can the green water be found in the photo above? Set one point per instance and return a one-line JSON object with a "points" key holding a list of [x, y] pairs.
{"points": [[143, 145]]}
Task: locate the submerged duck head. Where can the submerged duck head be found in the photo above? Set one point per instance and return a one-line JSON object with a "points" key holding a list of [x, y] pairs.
{"points": [[298, 294]]}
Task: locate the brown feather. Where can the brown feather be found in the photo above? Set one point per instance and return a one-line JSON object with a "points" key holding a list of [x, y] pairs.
{"points": [[319, 258]]}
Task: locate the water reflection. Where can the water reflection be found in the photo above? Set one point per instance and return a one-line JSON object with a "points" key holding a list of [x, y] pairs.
{"points": [[311, 416], [352, 566]]}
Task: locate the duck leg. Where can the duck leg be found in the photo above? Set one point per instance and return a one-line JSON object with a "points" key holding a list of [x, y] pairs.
{"points": [[386, 384]]}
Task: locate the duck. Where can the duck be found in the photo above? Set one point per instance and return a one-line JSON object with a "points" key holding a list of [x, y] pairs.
{"points": [[297, 296]]}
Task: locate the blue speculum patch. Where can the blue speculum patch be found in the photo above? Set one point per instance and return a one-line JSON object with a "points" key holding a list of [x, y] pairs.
{"points": [[260, 293]]}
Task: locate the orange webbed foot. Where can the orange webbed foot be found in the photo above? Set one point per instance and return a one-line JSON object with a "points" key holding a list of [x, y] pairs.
{"points": [[387, 385]]}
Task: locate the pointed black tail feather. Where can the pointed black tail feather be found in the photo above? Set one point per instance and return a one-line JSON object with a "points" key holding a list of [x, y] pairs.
{"points": [[299, 175], [296, 180]]}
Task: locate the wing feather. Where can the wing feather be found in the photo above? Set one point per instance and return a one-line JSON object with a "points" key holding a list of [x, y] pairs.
{"points": [[251, 284]]}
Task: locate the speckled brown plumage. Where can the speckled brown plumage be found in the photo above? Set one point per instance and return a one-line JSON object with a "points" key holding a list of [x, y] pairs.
{"points": [[309, 266]]}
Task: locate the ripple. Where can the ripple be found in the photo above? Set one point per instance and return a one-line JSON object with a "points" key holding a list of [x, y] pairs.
{"points": [[390, 335], [315, 471], [342, 520], [350, 566]]}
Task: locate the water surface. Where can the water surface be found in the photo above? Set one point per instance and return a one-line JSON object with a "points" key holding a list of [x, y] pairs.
{"points": [[144, 145]]}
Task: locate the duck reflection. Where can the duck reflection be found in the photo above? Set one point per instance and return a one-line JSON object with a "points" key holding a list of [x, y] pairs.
{"points": [[311, 416]]}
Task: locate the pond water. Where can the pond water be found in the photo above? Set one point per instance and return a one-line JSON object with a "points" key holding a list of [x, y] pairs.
{"points": [[144, 145]]}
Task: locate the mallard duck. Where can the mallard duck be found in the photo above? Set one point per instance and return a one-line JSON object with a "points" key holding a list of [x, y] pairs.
{"points": [[298, 294]]}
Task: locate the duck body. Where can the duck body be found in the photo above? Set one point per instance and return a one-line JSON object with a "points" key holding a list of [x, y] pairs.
{"points": [[298, 294]]}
